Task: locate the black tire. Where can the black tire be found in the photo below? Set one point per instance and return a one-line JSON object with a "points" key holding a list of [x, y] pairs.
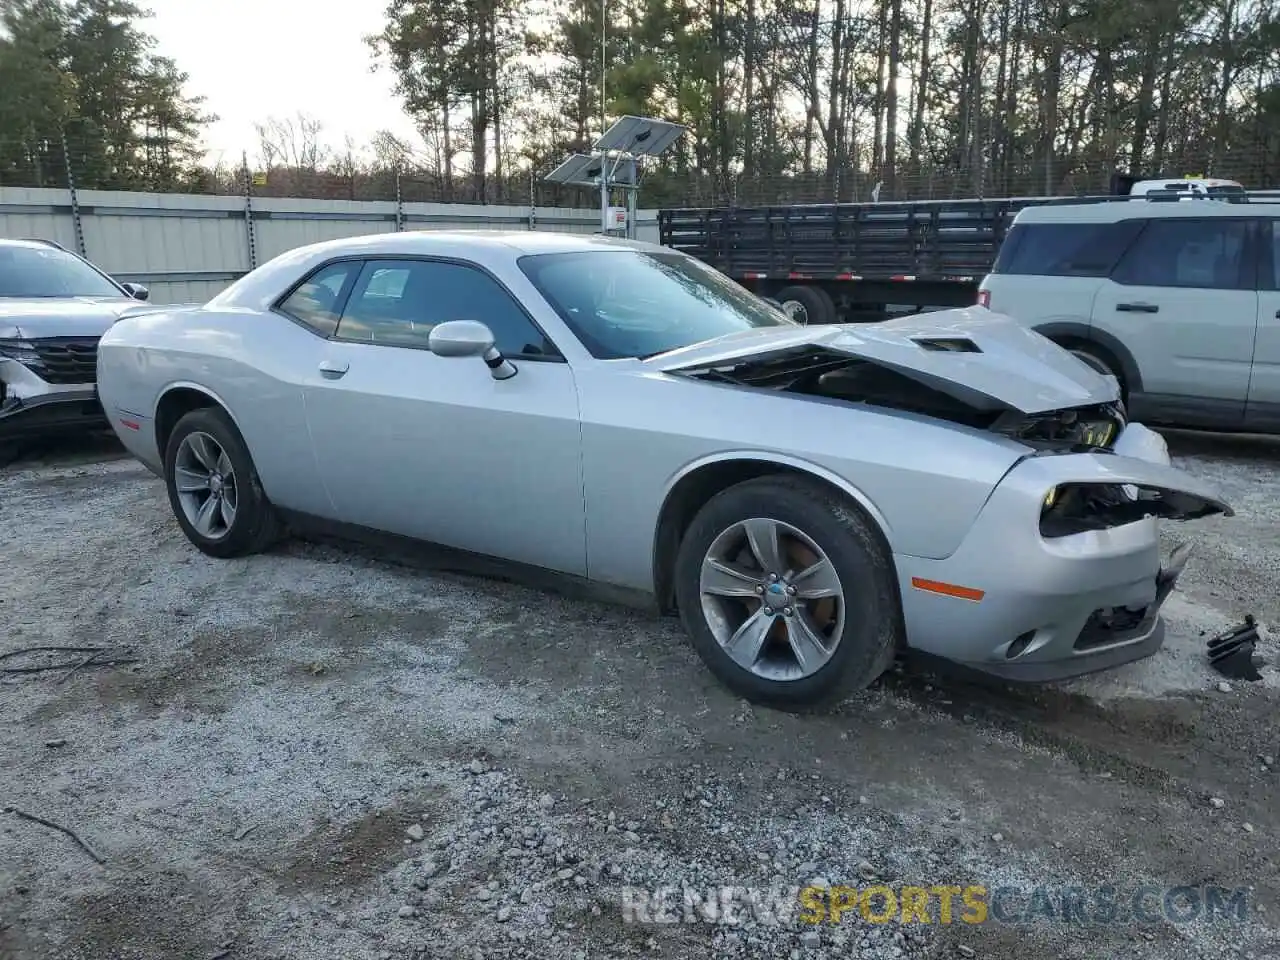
{"points": [[256, 525], [818, 307], [872, 624], [1100, 363]]}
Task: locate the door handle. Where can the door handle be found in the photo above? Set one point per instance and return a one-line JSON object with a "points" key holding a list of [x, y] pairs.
{"points": [[333, 370], [1137, 308]]}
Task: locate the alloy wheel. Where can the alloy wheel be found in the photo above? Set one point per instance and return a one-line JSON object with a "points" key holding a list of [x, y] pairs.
{"points": [[772, 599], [205, 482]]}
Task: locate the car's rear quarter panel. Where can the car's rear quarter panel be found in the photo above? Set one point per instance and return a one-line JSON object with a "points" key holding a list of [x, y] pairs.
{"points": [[1041, 301], [924, 482], [252, 363]]}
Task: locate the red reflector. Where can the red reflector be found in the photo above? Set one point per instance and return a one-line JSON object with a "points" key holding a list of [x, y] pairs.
{"points": [[984, 298], [131, 424], [797, 276]]}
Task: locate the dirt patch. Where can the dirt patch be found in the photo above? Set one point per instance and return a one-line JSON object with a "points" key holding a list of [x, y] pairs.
{"points": [[336, 856]]}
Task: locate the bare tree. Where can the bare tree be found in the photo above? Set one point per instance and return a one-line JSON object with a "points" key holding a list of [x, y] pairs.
{"points": [[292, 142]]}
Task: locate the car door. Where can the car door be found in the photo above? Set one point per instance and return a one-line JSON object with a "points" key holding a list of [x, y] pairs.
{"points": [[1183, 301], [434, 447], [1263, 409]]}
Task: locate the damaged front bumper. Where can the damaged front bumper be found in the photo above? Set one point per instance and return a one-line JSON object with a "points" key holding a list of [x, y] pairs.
{"points": [[31, 407], [1041, 608]]}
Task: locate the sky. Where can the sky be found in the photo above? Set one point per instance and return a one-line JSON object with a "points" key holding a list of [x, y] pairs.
{"points": [[254, 59]]}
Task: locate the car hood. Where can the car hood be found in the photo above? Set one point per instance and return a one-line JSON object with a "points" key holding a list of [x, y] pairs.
{"points": [[985, 359], [69, 317]]}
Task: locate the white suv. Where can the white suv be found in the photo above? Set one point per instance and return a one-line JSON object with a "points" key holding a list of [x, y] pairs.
{"points": [[1180, 301]]}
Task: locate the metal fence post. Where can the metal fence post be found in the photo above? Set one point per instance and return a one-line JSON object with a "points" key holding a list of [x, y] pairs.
{"points": [[75, 199], [250, 239], [533, 203], [399, 204]]}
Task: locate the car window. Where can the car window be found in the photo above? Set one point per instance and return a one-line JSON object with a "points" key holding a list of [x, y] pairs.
{"points": [[41, 272], [637, 303], [397, 302], [318, 300], [1065, 249], [1208, 254]]}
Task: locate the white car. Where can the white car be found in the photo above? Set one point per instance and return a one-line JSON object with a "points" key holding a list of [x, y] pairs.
{"points": [[1179, 301]]}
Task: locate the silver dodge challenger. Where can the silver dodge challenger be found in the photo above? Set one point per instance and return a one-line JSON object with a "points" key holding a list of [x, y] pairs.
{"points": [[811, 501]]}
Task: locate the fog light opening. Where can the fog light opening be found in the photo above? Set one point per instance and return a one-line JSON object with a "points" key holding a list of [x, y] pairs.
{"points": [[1019, 646]]}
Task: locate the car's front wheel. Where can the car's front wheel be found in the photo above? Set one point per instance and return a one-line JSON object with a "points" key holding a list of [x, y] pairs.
{"points": [[214, 488], [788, 593]]}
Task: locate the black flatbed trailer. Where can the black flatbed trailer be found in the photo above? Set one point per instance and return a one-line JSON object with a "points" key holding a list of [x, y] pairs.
{"points": [[851, 262]]}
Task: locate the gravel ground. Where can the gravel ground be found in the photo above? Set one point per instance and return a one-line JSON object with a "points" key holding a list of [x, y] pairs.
{"points": [[318, 753]]}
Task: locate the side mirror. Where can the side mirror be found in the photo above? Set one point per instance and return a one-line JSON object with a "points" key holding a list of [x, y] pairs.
{"points": [[470, 338], [136, 290]]}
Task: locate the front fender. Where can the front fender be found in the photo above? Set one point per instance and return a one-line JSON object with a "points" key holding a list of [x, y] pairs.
{"points": [[749, 455]]}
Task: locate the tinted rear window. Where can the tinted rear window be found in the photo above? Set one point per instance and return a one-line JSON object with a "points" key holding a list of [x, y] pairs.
{"points": [[1065, 249]]}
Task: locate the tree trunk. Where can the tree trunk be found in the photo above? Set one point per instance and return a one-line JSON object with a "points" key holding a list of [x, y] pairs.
{"points": [[1161, 145], [915, 135], [891, 98], [749, 93], [495, 92], [1011, 98], [811, 76], [999, 122], [1050, 105], [831, 134], [446, 167], [876, 164]]}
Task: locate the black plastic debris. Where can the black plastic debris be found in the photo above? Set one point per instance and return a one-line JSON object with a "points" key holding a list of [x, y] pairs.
{"points": [[1231, 653]]}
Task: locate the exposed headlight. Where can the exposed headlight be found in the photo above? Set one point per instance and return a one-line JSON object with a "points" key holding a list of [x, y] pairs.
{"points": [[1051, 498], [20, 350]]}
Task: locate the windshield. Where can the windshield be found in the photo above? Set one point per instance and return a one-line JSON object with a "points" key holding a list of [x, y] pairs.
{"points": [[634, 303], [49, 272]]}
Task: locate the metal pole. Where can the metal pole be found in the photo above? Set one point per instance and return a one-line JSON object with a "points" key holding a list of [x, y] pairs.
{"points": [[533, 202], [250, 239], [604, 28], [604, 197], [75, 199], [399, 204], [604, 162]]}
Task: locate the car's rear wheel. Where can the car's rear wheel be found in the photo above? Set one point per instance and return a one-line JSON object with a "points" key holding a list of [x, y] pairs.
{"points": [[214, 488], [787, 592], [1099, 363]]}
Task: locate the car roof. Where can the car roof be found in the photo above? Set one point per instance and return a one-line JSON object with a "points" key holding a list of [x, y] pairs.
{"points": [[262, 286], [1198, 208], [462, 243], [30, 244]]}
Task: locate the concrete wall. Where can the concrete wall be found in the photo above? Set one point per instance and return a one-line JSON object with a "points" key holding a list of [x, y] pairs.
{"points": [[188, 247]]}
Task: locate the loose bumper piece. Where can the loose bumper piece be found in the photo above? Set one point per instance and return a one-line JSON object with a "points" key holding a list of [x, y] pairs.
{"points": [[1231, 653]]}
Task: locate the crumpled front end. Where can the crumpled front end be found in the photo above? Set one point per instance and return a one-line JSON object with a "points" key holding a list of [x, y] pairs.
{"points": [[1061, 575], [967, 363], [48, 385]]}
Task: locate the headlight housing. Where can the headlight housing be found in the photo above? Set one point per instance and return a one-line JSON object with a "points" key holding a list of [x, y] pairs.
{"points": [[1083, 430], [23, 351]]}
